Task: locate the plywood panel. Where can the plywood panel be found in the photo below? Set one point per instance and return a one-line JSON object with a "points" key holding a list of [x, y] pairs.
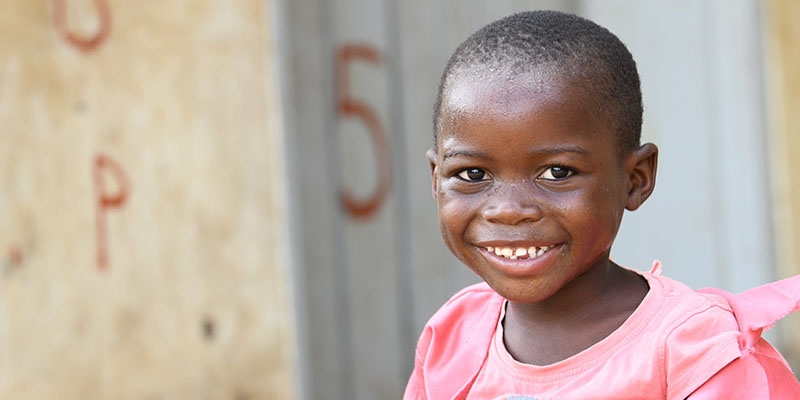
{"points": [[141, 221]]}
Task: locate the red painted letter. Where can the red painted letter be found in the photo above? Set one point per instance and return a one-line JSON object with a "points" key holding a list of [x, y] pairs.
{"points": [[106, 201]]}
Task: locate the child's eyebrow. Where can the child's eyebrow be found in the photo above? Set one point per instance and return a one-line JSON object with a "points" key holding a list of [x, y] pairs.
{"points": [[465, 153], [559, 149], [551, 150]]}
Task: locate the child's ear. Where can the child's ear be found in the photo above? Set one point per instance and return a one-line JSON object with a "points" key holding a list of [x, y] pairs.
{"points": [[641, 165], [432, 160]]}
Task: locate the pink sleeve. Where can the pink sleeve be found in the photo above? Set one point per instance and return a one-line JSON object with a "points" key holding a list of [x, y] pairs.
{"points": [[758, 309], [761, 374], [698, 348]]}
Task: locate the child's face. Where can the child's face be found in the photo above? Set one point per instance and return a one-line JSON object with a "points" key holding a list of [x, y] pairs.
{"points": [[524, 169]]}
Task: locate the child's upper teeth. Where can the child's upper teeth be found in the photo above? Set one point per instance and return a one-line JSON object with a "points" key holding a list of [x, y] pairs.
{"points": [[518, 252]]}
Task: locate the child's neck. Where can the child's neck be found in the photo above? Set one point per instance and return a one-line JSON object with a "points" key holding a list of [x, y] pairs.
{"points": [[583, 313]]}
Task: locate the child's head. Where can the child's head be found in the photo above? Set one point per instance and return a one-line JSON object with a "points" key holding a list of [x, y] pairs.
{"points": [[549, 41], [536, 157]]}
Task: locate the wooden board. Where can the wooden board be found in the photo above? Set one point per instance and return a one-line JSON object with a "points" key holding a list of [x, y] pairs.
{"points": [[142, 245]]}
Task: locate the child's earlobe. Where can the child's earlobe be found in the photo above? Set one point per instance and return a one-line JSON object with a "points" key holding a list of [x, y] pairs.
{"points": [[432, 161], [641, 168]]}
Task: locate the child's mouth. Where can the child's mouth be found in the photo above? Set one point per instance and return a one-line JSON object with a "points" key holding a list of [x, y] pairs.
{"points": [[519, 253]]}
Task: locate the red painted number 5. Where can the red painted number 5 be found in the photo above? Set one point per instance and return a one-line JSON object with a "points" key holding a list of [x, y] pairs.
{"points": [[359, 208]]}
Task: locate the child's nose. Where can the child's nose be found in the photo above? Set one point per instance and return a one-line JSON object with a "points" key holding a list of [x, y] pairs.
{"points": [[512, 204]]}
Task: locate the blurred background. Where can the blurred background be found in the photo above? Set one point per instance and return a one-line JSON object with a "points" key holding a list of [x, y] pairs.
{"points": [[215, 199]]}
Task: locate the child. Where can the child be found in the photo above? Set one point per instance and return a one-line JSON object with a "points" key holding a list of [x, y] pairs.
{"points": [[536, 157]]}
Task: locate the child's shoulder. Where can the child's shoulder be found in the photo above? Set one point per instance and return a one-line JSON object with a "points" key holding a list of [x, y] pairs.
{"points": [[475, 302], [468, 318], [756, 369], [682, 301], [454, 342], [476, 292], [751, 311]]}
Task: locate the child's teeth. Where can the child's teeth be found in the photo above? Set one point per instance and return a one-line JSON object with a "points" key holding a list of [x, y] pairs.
{"points": [[519, 252]]}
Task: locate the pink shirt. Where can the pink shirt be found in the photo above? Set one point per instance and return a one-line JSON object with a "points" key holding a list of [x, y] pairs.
{"points": [[678, 343]]}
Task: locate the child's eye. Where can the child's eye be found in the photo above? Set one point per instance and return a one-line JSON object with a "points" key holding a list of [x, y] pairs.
{"points": [[472, 175], [556, 173]]}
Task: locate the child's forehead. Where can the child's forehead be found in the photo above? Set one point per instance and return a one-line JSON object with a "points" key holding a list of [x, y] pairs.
{"points": [[507, 92], [552, 99]]}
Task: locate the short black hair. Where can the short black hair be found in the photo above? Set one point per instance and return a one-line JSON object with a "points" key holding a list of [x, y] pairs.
{"points": [[525, 41]]}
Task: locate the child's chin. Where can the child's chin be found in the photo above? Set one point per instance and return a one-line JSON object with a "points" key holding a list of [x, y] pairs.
{"points": [[522, 295]]}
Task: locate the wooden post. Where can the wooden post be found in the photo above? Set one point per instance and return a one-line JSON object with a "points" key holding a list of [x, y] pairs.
{"points": [[783, 101]]}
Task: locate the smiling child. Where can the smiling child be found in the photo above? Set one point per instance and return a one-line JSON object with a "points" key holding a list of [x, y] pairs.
{"points": [[537, 155]]}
